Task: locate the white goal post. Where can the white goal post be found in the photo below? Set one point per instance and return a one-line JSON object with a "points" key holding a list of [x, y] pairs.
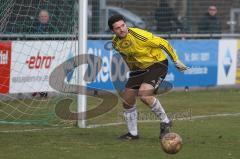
{"points": [[82, 48]]}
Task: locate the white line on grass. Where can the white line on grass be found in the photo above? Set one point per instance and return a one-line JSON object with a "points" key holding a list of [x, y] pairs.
{"points": [[120, 123], [33, 130], [151, 121]]}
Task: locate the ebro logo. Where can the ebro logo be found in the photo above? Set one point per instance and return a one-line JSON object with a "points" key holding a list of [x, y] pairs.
{"points": [[39, 62]]}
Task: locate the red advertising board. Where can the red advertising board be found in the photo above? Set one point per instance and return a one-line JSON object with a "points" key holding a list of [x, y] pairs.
{"points": [[5, 66]]}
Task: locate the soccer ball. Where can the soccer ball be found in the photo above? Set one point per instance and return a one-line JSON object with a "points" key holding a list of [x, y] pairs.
{"points": [[171, 143]]}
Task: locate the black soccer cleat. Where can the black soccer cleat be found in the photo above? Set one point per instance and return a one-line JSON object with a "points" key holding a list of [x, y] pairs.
{"points": [[164, 129], [128, 136]]}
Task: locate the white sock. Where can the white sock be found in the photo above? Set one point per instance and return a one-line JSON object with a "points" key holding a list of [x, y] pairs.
{"points": [[130, 116], [159, 111]]}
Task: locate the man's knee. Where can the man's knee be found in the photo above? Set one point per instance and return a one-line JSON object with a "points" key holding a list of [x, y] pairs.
{"points": [[146, 99]]}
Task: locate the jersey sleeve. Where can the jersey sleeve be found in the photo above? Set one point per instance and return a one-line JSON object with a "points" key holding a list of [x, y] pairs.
{"points": [[155, 41]]}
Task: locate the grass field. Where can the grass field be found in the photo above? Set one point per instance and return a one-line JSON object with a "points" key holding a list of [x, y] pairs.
{"points": [[209, 136]]}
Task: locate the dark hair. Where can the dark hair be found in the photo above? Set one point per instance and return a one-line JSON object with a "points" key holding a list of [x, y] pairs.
{"points": [[113, 19]]}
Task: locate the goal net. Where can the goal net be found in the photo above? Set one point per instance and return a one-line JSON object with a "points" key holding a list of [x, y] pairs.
{"points": [[38, 35], [40, 65]]}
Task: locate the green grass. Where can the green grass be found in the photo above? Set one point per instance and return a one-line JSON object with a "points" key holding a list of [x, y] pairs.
{"points": [[207, 138]]}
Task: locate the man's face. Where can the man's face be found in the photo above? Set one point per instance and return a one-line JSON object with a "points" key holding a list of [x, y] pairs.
{"points": [[120, 29], [212, 10], [43, 17]]}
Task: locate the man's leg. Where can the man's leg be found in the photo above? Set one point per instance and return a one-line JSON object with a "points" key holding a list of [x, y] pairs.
{"points": [[130, 114], [146, 95]]}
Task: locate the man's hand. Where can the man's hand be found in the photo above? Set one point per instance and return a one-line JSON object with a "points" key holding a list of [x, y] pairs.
{"points": [[180, 66]]}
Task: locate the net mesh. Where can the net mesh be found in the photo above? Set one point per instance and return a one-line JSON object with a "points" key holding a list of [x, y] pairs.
{"points": [[27, 104], [23, 16]]}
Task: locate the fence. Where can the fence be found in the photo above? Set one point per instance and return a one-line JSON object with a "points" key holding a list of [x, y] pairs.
{"points": [[158, 16]]}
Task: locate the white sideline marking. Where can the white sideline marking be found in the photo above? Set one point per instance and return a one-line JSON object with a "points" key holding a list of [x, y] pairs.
{"points": [[121, 123], [32, 130], [151, 121]]}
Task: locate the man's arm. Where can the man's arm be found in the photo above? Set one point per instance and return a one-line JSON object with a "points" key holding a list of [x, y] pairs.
{"points": [[166, 46]]}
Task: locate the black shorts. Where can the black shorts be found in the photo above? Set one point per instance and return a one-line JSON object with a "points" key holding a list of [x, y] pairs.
{"points": [[152, 75]]}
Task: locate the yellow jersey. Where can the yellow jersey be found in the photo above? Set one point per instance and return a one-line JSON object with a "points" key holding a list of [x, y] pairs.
{"points": [[142, 49]]}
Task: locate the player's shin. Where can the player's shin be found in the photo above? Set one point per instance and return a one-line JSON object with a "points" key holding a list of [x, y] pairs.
{"points": [[158, 110], [130, 116]]}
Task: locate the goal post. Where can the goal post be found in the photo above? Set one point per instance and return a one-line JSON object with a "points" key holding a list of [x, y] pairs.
{"points": [[82, 49]]}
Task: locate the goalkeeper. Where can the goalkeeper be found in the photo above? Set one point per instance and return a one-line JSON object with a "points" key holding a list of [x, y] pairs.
{"points": [[148, 64]]}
